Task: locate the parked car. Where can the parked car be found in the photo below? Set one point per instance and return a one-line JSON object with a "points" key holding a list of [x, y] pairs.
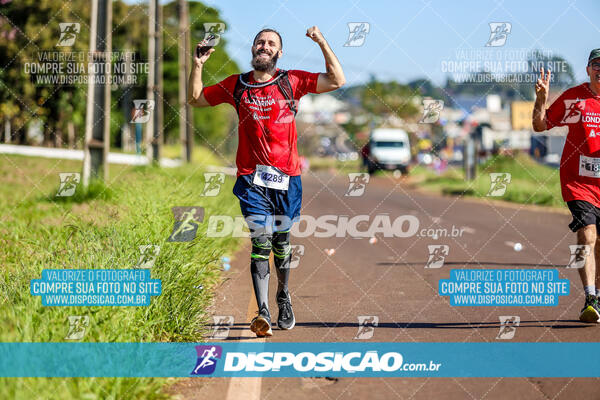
{"points": [[388, 149]]}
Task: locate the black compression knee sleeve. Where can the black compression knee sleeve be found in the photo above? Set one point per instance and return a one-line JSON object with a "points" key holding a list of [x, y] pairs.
{"points": [[259, 268], [282, 254]]}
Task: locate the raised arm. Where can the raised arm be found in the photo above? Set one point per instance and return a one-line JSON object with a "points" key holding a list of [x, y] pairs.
{"points": [[195, 87], [542, 87], [334, 77]]}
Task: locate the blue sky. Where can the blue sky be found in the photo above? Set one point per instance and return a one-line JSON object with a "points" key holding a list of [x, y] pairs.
{"points": [[409, 40]]}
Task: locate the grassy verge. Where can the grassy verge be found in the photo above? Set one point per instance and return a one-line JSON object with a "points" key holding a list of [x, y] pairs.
{"points": [[324, 163], [104, 229], [200, 155], [531, 183]]}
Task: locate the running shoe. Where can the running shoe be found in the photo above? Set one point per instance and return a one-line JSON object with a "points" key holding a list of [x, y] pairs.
{"points": [[261, 324], [590, 311], [286, 319]]}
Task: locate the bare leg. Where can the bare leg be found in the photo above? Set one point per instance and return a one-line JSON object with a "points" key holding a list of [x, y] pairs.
{"points": [[587, 236], [597, 256]]}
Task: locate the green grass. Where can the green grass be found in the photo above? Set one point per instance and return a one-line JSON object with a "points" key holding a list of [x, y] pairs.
{"points": [[531, 182], [103, 228], [200, 155], [325, 163]]}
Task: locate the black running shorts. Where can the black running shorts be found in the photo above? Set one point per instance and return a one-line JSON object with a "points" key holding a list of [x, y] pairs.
{"points": [[584, 214]]}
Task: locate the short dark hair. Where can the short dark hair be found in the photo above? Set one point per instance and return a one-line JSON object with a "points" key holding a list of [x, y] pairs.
{"points": [[268, 30]]}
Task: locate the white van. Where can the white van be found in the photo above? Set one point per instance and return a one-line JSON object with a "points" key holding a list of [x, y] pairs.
{"points": [[388, 149]]}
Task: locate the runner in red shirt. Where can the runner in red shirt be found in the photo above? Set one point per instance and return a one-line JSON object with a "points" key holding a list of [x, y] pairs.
{"points": [[268, 168], [579, 109]]}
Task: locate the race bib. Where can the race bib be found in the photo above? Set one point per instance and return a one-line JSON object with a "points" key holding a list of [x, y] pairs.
{"points": [[271, 177], [589, 166]]}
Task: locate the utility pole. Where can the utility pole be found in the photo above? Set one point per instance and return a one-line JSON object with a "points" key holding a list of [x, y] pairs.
{"points": [[126, 131], [154, 127], [97, 119], [185, 111]]}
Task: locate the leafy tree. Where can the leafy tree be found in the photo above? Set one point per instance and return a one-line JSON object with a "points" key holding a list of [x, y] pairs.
{"points": [[29, 28], [211, 125]]}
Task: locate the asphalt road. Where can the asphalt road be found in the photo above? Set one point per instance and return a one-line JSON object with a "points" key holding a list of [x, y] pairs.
{"points": [[388, 279]]}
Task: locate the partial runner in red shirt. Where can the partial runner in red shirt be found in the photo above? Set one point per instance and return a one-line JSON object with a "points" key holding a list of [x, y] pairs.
{"points": [[268, 184], [578, 108]]}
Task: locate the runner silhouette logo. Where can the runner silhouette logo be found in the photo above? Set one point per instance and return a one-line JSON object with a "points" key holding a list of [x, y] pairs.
{"points": [[186, 223], [358, 184], [142, 111], [207, 359], [498, 34], [579, 253], [213, 32], [68, 33], [437, 255], [431, 111], [212, 183], [573, 109], [358, 33]]}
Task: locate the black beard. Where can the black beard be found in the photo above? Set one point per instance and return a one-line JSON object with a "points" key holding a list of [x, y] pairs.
{"points": [[264, 66]]}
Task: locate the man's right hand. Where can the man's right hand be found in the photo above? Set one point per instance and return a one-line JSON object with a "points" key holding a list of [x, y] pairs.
{"points": [[199, 61], [542, 86], [195, 88]]}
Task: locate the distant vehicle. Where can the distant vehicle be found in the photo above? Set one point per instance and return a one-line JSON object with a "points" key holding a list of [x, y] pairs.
{"points": [[389, 149]]}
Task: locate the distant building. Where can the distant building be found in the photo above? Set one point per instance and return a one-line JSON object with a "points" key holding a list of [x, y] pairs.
{"points": [[322, 109]]}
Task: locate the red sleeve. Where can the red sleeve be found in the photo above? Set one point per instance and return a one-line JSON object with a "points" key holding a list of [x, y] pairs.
{"points": [[556, 112], [221, 92], [303, 82]]}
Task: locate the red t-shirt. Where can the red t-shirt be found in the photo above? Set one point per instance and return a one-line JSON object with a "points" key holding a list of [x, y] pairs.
{"points": [[579, 109], [266, 128]]}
